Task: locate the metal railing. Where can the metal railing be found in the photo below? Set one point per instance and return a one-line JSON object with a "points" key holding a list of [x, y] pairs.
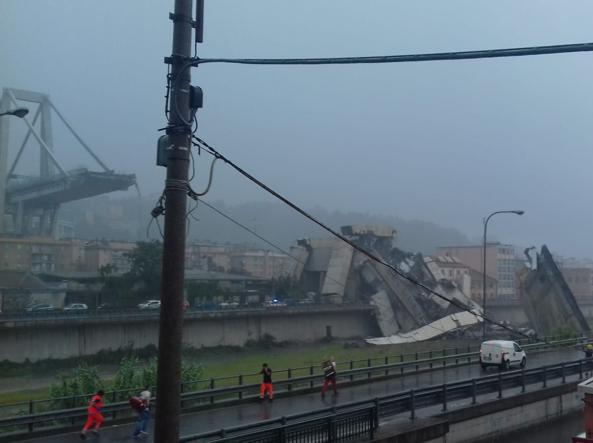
{"points": [[132, 311], [203, 398], [244, 386], [314, 424]]}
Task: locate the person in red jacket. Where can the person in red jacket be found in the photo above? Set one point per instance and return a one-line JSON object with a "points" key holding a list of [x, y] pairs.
{"points": [[95, 418]]}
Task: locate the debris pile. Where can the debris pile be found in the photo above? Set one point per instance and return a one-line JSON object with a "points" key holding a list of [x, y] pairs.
{"points": [[340, 274]]}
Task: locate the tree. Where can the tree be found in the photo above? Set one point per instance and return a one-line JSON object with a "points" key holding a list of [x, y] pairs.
{"points": [[146, 266]]}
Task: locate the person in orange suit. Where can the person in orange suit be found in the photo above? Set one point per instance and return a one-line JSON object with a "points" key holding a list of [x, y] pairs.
{"points": [[95, 417], [266, 384]]}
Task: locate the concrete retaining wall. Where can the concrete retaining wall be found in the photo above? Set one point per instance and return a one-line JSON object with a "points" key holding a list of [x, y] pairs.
{"points": [[67, 339], [484, 421]]}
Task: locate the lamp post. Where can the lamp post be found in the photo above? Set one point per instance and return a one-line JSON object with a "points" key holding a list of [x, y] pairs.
{"points": [[17, 112], [517, 212]]}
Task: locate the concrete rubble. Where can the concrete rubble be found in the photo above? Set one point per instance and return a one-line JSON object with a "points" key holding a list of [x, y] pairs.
{"points": [[547, 300], [404, 310]]}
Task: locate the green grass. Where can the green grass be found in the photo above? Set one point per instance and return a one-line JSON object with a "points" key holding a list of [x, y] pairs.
{"points": [[232, 361]]}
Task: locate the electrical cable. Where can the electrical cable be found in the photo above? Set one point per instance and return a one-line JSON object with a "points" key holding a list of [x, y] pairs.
{"points": [[252, 232], [176, 81], [368, 254], [193, 194], [435, 56]]}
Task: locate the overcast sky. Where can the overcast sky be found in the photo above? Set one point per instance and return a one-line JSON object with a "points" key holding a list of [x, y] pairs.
{"points": [[447, 142]]}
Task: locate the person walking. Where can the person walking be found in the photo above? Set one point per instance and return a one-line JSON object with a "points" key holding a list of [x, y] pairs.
{"points": [[588, 350], [141, 405], [95, 418], [266, 383], [329, 373]]}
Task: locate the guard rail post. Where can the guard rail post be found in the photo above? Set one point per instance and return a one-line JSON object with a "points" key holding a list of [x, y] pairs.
{"points": [[456, 353], [444, 396], [444, 357], [290, 378], [500, 385], [386, 363], [113, 394], [412, 405], [311, 373], [544, 377], [369, 365], [430, 358], [563, 373], [240, 384], [212, 387], [331, 425], [351, 367], [474, 391], [373, 420], [416, 358], [31, 408], [375, 416], [469, 350], [401, 359], [523, 380]]}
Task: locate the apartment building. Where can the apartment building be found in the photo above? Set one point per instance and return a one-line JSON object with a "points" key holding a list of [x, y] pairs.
{"points": [[450, 268], [38, 254], [502, 263], [47, 255]]}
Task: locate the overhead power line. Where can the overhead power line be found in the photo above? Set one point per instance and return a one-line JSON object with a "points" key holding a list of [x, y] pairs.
{"points": [[252, 232], [405, 58], [208, 148]]}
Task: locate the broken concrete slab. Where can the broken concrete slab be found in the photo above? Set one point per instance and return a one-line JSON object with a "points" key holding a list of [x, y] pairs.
{"points": [[549, 303]]}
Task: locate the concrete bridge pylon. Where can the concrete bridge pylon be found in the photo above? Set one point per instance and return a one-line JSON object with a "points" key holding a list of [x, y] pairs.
{"points": [[29, 203]]}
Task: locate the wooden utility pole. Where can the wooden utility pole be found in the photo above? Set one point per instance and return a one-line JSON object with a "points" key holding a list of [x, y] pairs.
{"points": [[168, 401]]}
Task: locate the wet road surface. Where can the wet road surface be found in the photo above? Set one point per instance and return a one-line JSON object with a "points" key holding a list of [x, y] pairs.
{"points": [[224, 417]]}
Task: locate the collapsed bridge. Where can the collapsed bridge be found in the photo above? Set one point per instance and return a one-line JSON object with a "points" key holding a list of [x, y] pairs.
{"points": [[29, 203]]}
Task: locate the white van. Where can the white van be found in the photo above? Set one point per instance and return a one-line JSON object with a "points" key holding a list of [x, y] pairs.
{"points": [[502, 353]]}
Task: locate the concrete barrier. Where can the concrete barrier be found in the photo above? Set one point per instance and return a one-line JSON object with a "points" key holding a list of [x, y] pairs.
{"points": [[80, 337]]}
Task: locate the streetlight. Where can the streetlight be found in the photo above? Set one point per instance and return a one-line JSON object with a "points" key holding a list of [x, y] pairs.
{"points": [[17, 112], [517, 212]]}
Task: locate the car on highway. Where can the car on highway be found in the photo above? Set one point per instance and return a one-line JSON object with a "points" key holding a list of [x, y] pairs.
{"points": [[150, 304], [40, 307], [275, 304], [76, 307], [502, 353]]}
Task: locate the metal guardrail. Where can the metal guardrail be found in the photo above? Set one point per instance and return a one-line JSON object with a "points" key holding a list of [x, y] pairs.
{"points": [[315, 425], [190, 400], [60, 314], [291, 378]]}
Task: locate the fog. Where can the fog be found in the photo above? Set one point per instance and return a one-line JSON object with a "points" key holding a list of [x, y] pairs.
{"points": [[446, 142]]}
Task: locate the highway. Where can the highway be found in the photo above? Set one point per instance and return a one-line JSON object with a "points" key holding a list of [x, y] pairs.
{"points": [[223, 417]]}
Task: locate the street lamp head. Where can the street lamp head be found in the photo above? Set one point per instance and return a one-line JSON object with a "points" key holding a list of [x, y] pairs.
{"points": [[20, 112], [17, 112], [519, 212]]}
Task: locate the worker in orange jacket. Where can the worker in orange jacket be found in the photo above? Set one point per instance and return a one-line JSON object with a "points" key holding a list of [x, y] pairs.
{"points": [[95, 417]]}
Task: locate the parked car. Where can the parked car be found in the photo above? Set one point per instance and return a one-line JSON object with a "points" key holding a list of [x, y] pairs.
{"points": [[150, 304], [76, 307], [502, 353], [40, 308], [275, 304]]}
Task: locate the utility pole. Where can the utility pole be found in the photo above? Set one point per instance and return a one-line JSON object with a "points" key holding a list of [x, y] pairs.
{"points": [[168, 403]]}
